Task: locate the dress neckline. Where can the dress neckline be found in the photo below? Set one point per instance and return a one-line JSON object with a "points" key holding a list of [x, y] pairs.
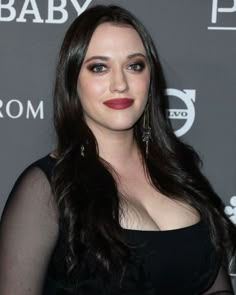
{"points": [[140, 231], [175, 230]]}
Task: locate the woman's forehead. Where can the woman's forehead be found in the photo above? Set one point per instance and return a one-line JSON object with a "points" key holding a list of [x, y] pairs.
{"points": [[110, 38]]}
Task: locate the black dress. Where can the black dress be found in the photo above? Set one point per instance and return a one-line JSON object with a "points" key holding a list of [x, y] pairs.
{"points": [[180, 261]]}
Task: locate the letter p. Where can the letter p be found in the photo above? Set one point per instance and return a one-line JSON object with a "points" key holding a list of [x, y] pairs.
{"points": [[216, 9]]}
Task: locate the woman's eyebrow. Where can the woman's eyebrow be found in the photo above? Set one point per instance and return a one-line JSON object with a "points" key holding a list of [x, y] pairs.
{"points": [[106, 58], [137, 54]]}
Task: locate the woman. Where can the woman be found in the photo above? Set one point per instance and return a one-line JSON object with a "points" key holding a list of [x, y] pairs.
{"points": [[120, 207]]}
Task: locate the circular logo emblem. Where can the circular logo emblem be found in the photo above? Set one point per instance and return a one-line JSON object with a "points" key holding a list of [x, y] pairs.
{"points": [[187, 114]]}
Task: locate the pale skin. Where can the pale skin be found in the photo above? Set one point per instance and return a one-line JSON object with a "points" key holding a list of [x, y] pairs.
{"points": [[116, 66]]}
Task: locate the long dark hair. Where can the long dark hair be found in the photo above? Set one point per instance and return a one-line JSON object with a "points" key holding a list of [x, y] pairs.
{"points": [[85, 190]]}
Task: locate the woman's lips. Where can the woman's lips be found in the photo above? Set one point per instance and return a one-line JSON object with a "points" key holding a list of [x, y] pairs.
{"points": [[119, 103]]}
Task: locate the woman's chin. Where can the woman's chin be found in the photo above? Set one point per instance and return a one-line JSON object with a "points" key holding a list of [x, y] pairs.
{"points": [[122, 127], [112, 126]]}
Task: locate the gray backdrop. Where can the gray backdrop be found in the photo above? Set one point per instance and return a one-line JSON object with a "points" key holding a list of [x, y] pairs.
{"points": [[196, 41]]}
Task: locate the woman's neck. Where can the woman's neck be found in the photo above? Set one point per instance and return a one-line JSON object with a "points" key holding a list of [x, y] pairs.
{"points": [[118, 148]]}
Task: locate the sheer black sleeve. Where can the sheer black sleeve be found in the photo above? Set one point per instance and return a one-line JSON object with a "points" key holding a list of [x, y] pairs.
{"points": [[222, 284], [28, 234]]}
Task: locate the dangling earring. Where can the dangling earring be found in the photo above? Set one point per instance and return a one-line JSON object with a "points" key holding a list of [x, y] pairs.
{"points": [[146, 134], [82, 149]]}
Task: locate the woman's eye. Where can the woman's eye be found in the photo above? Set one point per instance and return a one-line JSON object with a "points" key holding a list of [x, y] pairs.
{"points": [[138, 67], [98, 68]]}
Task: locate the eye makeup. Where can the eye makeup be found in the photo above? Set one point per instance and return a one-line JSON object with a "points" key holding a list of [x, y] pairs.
{"points": [[137, 66], [98, 67]]}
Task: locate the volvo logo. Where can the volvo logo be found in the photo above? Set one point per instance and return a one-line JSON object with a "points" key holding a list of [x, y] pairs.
{"points": [[187, 115]]}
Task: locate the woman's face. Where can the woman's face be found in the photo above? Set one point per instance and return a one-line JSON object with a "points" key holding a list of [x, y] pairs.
{"points": [[114, 78]]}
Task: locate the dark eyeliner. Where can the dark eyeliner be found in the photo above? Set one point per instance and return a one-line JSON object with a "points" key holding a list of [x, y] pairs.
{"points": [[93, 66], [141, 64]]}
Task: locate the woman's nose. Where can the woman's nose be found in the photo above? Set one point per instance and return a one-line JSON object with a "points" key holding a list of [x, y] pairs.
{"points": [[118, 81]]}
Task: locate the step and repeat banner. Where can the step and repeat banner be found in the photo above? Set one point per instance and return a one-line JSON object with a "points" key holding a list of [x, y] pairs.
{"points": [[196, 41]]}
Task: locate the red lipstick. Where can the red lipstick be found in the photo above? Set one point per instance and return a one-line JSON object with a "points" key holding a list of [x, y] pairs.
{"points": [[119, 103]]}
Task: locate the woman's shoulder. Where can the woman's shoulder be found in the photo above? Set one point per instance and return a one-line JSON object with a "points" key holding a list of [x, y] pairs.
{"points": [[46, 164], [32, 190]]}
